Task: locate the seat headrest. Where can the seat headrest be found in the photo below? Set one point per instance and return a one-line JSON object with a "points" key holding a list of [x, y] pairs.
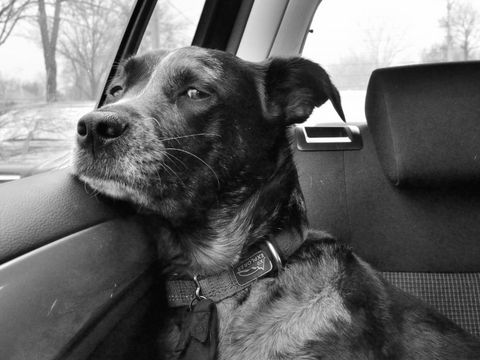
{"points": [[425, 123]]}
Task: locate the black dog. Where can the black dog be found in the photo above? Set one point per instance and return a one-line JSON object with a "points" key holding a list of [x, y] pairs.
{"points": [[198, 140]]}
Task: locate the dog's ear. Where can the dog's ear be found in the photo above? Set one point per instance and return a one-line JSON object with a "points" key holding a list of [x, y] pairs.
{"points": [[294, 87]]}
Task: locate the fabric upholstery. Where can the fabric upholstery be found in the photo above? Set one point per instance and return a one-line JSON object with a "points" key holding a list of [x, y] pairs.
{"points": [[456, 295], [425, 123], [408, 202], [398, 229]]}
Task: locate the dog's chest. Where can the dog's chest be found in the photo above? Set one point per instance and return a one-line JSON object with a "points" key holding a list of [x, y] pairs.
{"points": [[280, 317]]}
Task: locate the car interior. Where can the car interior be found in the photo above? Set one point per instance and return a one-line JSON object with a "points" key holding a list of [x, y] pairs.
{"points": [[78, 273]]}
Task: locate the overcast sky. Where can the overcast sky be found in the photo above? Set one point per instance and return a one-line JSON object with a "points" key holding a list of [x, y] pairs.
{"points": [[337, 31], [22, 58], [339, 26]]}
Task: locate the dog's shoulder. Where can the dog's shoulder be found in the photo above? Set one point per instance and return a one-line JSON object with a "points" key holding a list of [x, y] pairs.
{"points": [[321, 246], [328, 303], [286, 316]]}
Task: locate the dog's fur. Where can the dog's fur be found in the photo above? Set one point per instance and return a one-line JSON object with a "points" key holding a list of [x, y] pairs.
{"points": [[197, 139]]}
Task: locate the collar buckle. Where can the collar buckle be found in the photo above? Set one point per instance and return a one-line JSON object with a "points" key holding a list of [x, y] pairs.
{"points": [[198, 289], [198, 292], [275, 255]]}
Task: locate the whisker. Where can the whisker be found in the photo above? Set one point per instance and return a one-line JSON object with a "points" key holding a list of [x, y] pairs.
{"points": [[152, 118], [181, 136], [64, 162], [167, 168], [195, 156], [175, 158], [93, 193], [191, 135]]}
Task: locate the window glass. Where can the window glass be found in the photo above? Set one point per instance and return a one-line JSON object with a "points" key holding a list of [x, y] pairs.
{"points": [[172, 25], [54, 59], [351, 38]]}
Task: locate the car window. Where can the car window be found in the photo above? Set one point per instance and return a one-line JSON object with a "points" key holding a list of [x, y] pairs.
{"points": [[351, 38], [54, 59], [172, 25]]}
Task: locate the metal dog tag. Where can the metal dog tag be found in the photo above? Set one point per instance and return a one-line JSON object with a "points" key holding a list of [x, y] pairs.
{"points": [[252, 268]]}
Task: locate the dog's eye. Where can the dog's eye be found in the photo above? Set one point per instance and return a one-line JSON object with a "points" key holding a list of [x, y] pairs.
{"points": [[196, 94], [115, 90]]}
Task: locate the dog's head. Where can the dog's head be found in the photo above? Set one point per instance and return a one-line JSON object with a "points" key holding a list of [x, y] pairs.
{"points": [[181, 122], [191, 129]]}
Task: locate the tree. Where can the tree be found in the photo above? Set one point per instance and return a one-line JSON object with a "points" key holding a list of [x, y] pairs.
{"points": [[87, 34], [10, 14], [383, 43], [465, 24], [462, 33], [86, 40], [49, 34], [437, 53], [446, 23], [164, 29]]}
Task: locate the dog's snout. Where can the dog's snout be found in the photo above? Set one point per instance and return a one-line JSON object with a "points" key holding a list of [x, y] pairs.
{"points": [[99, 128]]}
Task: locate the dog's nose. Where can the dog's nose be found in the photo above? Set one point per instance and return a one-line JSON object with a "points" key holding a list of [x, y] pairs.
{"points": [[99, 128]]}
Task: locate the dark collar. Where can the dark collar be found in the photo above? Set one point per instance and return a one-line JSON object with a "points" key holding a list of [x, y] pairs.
{"points": [[267, 259]]}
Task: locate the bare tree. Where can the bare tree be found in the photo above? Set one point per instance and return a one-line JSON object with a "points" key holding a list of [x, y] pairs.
{"points": [[466, 28], [89, 32], [164, 29], [87, 38], [10, 13], [446, 23], [49, 32], [383, 43], [437, 53], [462, 33]]}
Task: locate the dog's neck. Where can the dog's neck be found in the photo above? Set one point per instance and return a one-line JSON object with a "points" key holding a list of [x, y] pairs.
{"points": [[228, 231]]}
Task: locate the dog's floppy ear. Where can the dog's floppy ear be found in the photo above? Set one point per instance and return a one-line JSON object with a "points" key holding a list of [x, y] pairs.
{"points": [[295, 86]]}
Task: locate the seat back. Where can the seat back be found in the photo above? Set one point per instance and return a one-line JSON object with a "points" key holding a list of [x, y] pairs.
{"points": [[425, 201], [408, 202]]}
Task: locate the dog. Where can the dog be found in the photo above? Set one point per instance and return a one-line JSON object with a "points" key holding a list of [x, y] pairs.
{"points": [[197, 141]]}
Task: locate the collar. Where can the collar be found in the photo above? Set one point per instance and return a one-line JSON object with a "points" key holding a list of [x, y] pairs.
{"points": [[268, 258]]}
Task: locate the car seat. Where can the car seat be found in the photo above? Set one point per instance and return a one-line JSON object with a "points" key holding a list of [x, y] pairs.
{"points": [[408, 201]]}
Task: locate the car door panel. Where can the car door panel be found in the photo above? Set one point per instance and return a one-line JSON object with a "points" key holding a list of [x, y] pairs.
{"points": [[38, 210], [72, 267]]}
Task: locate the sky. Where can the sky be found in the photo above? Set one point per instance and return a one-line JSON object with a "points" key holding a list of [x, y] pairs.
{"points": [[339, 33], [22, 58], [336, 31], [339, 26]]}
